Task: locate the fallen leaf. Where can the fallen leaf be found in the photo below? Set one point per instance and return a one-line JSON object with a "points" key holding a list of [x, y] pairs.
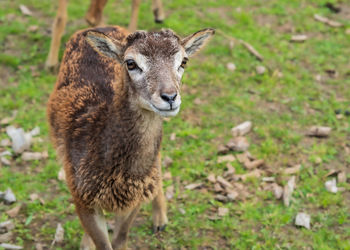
{"points": [[33, 28], [5, 161], [223, 182], [331, 185], [222, 150], [193, 186], [62, 175], [226, 158], [32, 156], [319, 131], [222, 211], [220, 197], [252, 50], [331, 173], [242, 129], [6, 226], [288, 191], [232, 195], [167, 161], [268, 179], [292, 170], [25, 11], [303, 220], [218, 188], [13, 212], [182, 211], [253, 164], [230, 170], [59, 235], [34, 197], [255, 173]]}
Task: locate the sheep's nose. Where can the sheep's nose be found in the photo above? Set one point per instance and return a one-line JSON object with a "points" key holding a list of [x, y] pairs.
{"points": [[170, 98]]}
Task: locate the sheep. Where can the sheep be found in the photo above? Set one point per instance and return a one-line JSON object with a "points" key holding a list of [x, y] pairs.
{"points": [[105, 115]]}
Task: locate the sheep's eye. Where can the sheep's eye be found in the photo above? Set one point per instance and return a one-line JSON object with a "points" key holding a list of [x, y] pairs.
{"points": [[184, 61], [131, 64]]}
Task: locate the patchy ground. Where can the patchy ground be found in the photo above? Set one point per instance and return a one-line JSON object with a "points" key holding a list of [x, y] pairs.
{"points": [[304, 84]]}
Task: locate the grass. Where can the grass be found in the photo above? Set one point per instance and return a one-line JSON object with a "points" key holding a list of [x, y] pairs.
{"points": [[282, 104]]}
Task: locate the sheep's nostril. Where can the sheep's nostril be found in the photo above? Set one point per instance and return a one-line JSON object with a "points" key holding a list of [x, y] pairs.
{"points": [[169, 98]]}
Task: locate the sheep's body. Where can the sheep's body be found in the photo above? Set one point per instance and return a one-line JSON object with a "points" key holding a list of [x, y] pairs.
{"points": [[105, 115]]}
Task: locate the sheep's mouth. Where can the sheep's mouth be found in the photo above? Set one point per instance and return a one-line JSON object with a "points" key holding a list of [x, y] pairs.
{"points": [[166, 112]]}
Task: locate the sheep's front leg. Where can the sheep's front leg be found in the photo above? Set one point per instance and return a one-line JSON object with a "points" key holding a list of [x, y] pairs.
{"points": [[160, 218], [121, 229], [95, 227]]}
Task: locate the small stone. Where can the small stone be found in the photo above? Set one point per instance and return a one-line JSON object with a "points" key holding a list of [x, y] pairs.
{"points": [[5, 161], [9, 197], [238, 144], [303, 220], [5, 143], [277, 191], [6, 237], [242, 129], [10, 246], [222, 149], [182, 211], [59, 235], [20, 141], [232, 195], [25, 11], [231, 66], [211, 178], [35, 131], [341, 177], [319, 131], [6, 226], [260, 70], [167, 176], [222, 211], [288, 190], [62, 175], [298, 38], [331, 185], [220, 197], [167, 161], [268, 179], [169, 192]]}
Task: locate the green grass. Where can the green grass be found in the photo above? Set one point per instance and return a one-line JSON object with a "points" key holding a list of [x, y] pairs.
{"points": [[282, 104]]}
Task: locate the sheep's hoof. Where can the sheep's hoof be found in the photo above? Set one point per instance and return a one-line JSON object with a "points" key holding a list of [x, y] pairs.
{"points": [[159, 228], [158, 21]]}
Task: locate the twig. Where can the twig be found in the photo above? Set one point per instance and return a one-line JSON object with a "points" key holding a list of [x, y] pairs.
{"points": [[327, 21], [249, 47]]}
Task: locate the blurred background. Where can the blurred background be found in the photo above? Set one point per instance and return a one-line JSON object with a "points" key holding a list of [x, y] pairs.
{"points": [[279, 181]]}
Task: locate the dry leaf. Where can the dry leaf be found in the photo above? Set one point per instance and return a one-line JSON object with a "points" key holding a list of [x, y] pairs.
{"points": [[277, 191], [218, 188], [223, 182], [172, 137], [62, 175], [303, 220], [232, 195], [242, 129], [252, 50], [59, 235], [221, 198], [10, 246], [292, 170], [13, 212], [268, 179], [255, 173], [222, 211], [253, 164], [6, 226], [193, 186], [25, 11], [6, 237], [238, 144], [226, 158], [288, 191], [230, 170], [222, 150]]}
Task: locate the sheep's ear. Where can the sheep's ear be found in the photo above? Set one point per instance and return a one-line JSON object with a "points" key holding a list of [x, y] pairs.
{"points": [[104, 45], [196, 41]]}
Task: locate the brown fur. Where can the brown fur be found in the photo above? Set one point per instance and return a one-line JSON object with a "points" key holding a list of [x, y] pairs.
{"points": [[108, 142]]}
